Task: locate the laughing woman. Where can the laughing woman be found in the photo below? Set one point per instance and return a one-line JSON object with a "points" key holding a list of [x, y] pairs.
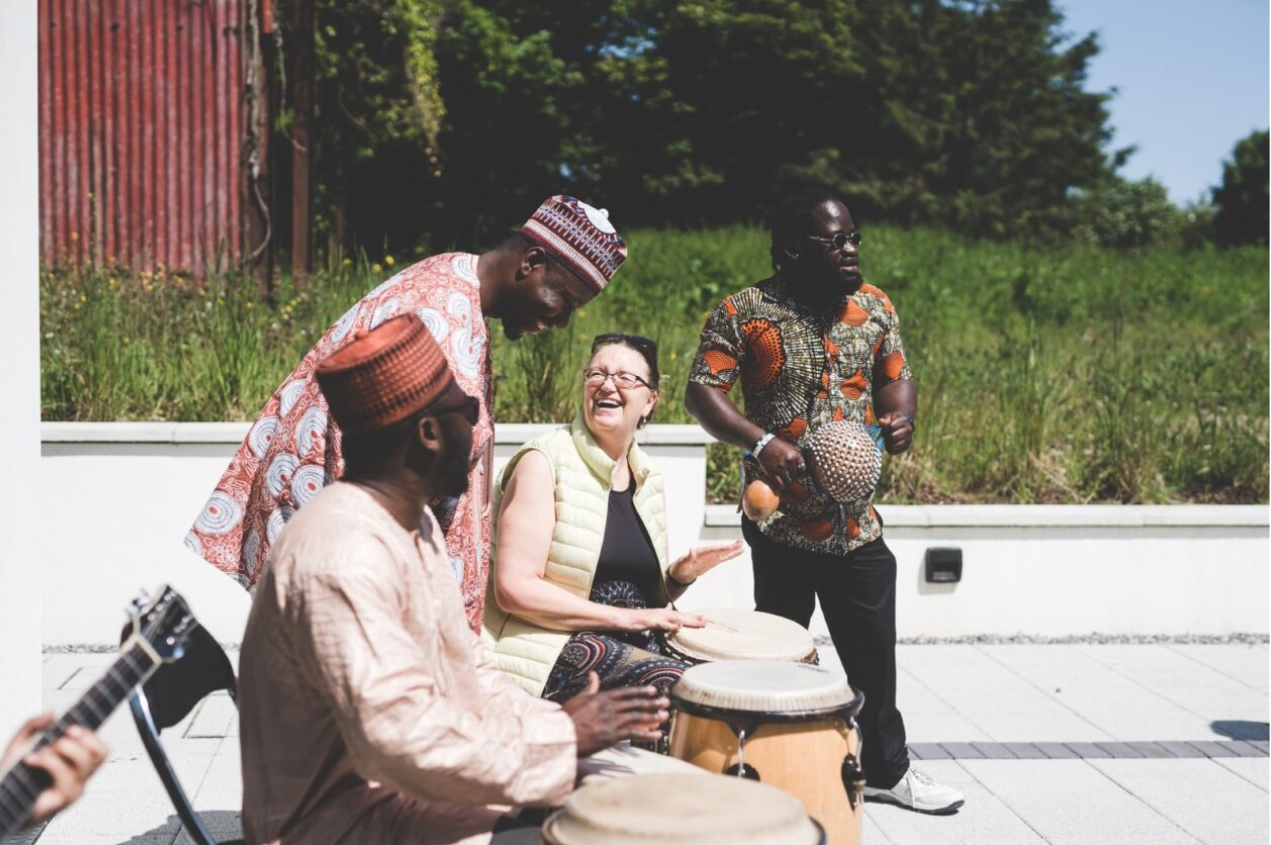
{"points": [[580, 581]]}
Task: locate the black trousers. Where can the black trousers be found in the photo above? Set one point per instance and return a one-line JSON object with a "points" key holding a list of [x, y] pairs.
{"points": [[858, 597]]}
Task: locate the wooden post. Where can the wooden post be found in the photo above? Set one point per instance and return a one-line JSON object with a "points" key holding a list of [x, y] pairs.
{"points": [[259, 224], [301, 137]]}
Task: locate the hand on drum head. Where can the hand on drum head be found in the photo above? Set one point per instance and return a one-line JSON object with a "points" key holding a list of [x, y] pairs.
{"points": [[898, 431], [781, 463], [703, 559], [660, 619], [603, 719]]}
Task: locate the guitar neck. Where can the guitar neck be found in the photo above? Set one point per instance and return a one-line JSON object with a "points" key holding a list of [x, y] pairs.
{"points": [[22, 785]]}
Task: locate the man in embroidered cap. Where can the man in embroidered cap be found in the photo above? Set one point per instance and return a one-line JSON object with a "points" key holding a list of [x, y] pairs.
{"points": [[369, 712], [561, 258]]}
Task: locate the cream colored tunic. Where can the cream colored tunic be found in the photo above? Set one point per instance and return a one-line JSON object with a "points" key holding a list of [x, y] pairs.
{"points": [[369, 711]]}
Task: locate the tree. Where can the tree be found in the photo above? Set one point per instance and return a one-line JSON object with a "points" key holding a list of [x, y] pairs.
{"points": [[1123, 213], [1241, 199]]}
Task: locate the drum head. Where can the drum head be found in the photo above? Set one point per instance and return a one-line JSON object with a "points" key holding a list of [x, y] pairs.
{"points": [[624, 761], [690, 809], [769, 687], [732, 634]]}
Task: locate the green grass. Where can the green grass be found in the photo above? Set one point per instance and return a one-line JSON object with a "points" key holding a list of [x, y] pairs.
{"points": [[1078, 375]]}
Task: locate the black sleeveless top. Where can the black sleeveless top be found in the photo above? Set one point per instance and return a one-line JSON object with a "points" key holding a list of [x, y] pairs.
{"points": [[627, 574]]}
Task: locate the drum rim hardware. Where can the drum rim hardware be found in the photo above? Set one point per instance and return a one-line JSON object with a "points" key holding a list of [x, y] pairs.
{"points": [[728, 715]]}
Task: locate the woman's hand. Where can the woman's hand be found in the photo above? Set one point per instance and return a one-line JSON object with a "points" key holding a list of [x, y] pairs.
{"points": [[659, 619], [703, 559]]}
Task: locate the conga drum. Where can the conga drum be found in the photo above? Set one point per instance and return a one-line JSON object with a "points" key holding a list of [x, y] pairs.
{"points": [[732, 634], [624, 761], [681, 809], [788, 725]]}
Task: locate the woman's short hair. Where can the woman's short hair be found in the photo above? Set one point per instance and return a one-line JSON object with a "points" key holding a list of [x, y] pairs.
{"points": [[648, 351]]}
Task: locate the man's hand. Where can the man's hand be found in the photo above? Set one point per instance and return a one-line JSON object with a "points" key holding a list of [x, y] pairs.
{"points": [[69, 762], [898, 431], [602, 719], [781, 463]]}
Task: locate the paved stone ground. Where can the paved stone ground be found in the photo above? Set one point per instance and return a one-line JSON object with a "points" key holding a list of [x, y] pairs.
{"points": [[1091, 744]]}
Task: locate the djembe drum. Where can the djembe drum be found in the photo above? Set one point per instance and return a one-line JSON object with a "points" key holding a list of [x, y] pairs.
{"points": [[681, 809], [844, 461], [732, 634], [789, 725]]}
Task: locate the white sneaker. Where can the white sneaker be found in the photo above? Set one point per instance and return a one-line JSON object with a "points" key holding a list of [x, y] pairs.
{"points": [[916, 791]]}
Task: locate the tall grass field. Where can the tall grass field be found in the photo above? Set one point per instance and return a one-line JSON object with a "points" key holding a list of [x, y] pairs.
{"points": [[1045, 376]]}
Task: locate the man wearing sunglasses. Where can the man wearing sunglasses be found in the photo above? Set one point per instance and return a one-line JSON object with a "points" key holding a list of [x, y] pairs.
{"points": [[811, 345], [369, 712], [561, 258]]}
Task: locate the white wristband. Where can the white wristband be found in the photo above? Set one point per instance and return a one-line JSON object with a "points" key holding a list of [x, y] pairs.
{"points": [[762, 442]]}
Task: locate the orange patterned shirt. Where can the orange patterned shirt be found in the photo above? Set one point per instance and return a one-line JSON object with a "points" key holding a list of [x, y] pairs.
{"points": [[799, 369]]}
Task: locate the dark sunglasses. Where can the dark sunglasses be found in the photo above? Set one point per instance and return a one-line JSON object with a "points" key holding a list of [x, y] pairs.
{"points": [[469, 407], [838, 240], [628, 339]]}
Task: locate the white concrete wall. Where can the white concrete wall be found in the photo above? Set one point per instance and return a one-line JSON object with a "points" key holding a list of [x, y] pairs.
{"points": [[121, 497], [20, 349]]}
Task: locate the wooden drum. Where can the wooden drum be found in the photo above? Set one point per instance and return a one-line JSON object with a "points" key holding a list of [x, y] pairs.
{"points": [[681, 809], [788, 725], [732, 634]]}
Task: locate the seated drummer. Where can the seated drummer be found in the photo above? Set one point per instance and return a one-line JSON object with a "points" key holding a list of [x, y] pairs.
{"points": [[580, 581], [369, 710]]}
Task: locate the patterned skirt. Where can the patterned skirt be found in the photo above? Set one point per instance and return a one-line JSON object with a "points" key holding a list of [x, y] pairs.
{"points": [[621, 659]]}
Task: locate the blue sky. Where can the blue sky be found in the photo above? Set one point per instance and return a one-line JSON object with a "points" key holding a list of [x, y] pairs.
{"points": [[1192, 77]]}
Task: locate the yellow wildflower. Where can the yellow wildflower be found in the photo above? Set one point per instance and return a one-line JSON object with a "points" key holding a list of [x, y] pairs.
{"points": [[376, 268], [348, 262], [388, 259]]}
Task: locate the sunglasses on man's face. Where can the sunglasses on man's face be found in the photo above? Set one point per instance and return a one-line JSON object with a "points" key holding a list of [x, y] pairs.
{"points": [[469, 407], [838, 240]]}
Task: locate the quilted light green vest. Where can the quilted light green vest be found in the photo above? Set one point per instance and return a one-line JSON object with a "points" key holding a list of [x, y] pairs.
{"points": [[582, 473]]}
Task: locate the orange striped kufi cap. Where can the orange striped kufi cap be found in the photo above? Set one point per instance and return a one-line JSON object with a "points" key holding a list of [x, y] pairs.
{"points": [[580, 237], [384, 376]]}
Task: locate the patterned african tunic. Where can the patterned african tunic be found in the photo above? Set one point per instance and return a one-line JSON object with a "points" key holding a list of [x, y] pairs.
{"points": [[799, 369], [293, 449]]}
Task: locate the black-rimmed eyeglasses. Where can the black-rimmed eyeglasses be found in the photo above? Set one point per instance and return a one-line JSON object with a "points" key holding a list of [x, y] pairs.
{"points": [[593, 377]]}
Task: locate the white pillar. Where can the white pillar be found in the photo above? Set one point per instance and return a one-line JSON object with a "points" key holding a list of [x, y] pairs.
{"points": [[20, 593]]}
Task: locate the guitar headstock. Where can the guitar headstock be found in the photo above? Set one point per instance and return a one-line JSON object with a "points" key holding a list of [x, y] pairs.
{"points": [[162, 624]]}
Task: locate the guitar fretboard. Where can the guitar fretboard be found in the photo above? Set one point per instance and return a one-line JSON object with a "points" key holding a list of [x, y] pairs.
{"points": [[22, 785]]}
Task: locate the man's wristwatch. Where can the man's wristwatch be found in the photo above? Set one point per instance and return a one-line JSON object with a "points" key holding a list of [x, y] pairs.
{"points": [[760, 443]]}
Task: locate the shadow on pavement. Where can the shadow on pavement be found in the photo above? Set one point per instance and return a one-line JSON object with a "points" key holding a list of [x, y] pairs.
{"points": [[226, 827], [1236, 729]]}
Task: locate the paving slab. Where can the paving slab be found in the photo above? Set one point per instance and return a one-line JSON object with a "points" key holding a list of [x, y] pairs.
{"points": [[1208, 801], [1121, 707], [1214, 748], [216, 717], [1192, 685], [1245, 664], [983, 820], [1069, 802], [929, 717], [1182, 749], [993, 697], [1056, 751], [1257, 772]]}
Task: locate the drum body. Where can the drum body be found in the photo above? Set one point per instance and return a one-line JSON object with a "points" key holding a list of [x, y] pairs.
{"points": [[786, 725], [681, 809], [732, 634]]}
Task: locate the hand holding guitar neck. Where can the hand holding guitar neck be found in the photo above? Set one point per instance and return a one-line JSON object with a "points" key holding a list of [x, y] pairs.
{"points": [[52, 774]]}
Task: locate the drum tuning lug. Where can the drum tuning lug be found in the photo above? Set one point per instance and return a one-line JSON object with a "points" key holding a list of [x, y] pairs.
{"points": [[853, 779]]}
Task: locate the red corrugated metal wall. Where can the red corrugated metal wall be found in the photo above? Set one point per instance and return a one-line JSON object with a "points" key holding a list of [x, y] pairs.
{"points": [[141, 131]]}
